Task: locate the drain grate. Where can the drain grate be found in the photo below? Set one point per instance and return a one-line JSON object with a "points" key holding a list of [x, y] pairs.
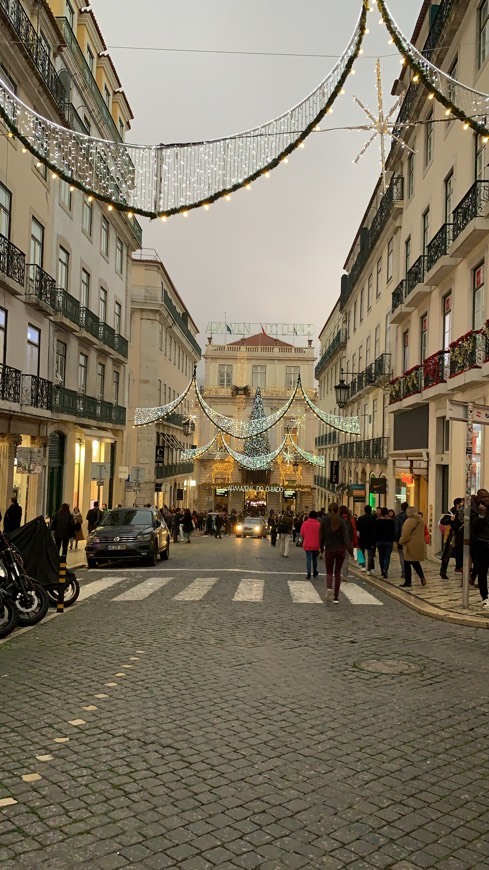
{"points": [[388, 666]]}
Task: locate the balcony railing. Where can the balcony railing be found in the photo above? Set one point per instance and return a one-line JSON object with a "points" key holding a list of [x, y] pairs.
{"points": [[37, 392], [373, 448], [468, 352], [118, 415], [374, 373], [181, 323], [74, 120], [413, 382], [12, 260], [40, 285], [471, 206], [107, 335], [162, 471], [436, 369], [416, 274], [66, 401], [67, 306], [327, 438], [35, 49], [398, 295], [439, 245], [337, 342], [89, 322], [9, 384], [121, 345]]}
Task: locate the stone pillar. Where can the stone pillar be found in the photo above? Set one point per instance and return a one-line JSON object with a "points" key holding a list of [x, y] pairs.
{"points": [[37, 483], [8, 445]]}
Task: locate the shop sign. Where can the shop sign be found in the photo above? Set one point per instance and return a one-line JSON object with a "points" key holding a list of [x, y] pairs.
{"points": [[30, 460], [378, 486], [290, 493], [159, 454], [221, 492], [179, 494], [334, 471], [357, 490], [408, 479], [236, 488]]}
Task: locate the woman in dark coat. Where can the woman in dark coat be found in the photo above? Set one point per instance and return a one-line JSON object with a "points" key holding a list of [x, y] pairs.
{"points": [[187, 525], [63, 528]]}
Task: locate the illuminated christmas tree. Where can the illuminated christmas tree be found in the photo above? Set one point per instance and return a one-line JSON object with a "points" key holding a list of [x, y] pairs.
{"points": [[257, 445]]}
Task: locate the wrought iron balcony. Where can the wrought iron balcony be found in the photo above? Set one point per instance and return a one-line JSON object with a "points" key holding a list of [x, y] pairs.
{"points": [[121, 345], [436, 369], [442, 16], [376, 449], [12, 260], [107, 335], [87, 407], [35, 49], [67, 306], [104, 411], [40, 286], [181, 323], [337, 342], [9, 384], [65, 401], [468, 352], [89, 322], [374, 374], [413, 382], [416, 274], [74, 120], [395, 391], [163, 471], [471, 206], [439, 245], [398, 295], [327, 438], [118, 415], [37, 392]]}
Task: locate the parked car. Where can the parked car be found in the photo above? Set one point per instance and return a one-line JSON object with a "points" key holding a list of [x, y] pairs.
{"points": [[252, 527], [129, 534]]}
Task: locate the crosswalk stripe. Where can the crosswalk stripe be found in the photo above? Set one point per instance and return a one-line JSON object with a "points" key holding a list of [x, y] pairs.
{"points": [[142, 590], [196, 590], [98, 586], [250, 590], [303, 592], [358, 595]]}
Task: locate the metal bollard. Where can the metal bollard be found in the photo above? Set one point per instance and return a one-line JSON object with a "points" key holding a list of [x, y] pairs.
{"points": [[60, 607]]}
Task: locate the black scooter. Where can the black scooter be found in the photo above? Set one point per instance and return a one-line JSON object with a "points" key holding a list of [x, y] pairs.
{"points": [[30, 599], [8, 614]]}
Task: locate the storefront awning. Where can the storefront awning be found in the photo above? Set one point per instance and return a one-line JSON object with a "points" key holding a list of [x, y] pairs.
{"points": [[171, 441], [99, 434]]}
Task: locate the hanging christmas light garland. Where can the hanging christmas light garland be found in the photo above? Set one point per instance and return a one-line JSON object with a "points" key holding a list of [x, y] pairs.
{"points": [[243, 428], [351, 425], [167, 179], [196, 452], [255, 463], [146, 416], [470, 106]]}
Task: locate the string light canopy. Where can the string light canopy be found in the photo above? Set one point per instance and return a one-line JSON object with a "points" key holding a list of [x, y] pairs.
{"points": [[197, 452], [243, 428], [350, 425], [263, 461], [146, 416], [167, 179]]}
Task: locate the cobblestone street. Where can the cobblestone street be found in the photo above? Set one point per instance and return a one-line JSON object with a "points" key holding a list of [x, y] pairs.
{"points": [[182, 717]]}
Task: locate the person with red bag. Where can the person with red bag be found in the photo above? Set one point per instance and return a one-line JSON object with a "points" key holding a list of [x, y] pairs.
{"points": [[309, 533]]}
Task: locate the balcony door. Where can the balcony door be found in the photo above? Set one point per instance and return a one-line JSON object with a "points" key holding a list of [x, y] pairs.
{"points": [[33, 350], [5, 211]]}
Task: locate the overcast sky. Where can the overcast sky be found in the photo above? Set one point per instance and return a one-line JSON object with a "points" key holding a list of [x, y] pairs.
{"points": [[274, 253]]}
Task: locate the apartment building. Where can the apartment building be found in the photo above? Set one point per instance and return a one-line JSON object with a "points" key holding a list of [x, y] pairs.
{"points": [[64, 271], [162, 356], [232, 374]]}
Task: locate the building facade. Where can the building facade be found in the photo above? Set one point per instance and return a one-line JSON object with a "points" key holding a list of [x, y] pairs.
{"points": [[64, 271], [162, 356], [233, 372]]}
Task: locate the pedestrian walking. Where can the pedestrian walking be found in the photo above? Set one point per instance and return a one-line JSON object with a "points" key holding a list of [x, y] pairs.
{"points": [[452, 525], [94, 517], [177, 519], [309, 532], [209, 528], [77, 528], [62, 527], [284, 529], [272, 528], [479, 540], [296, 527], [384, 540], [399, 522], [13, 516], [366, 538], [187, 525], [413, 542], [219, 524], [351, 525], [334, 543]]}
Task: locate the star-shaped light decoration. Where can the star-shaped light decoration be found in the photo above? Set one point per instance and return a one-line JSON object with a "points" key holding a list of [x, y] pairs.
{"points": [[382, 125]]}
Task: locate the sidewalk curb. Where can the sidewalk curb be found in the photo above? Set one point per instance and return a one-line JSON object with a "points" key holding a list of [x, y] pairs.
{"points": [[415, 603]]}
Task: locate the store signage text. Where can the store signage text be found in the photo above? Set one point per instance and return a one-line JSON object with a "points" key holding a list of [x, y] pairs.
{"points": [[236, 488], [273, 329]]}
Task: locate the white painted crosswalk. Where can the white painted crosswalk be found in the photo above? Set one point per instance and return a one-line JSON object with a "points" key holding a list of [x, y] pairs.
{"points": [[246, 590]]}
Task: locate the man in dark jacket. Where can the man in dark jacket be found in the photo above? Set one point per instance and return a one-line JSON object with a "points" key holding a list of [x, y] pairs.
{"points": [[399, 522], [13, 516], [94, 517], [479, 540], [366, 538]]}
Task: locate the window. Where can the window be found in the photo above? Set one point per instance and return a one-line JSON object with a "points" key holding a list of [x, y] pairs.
{"points": [[428, 139], [100, 381], [425, 230], [483, 32], [3, 336], [63, 268], [355, 315], [480, 159], [225, 375], [87, 216], [160, 392], [119, 256], [451, 89], [348, 324], [368, 350], [36, 251], [60, 363], [374, 417], [360, 358], [369, 291], [387, 346], [378, 278], [423, 338], [33, 350], [390, 258], [7, 79], [478, 297], [291, 375], [405, 351], [377, 342], [122, 128], [65, 194], [362, 300], [259, 376], [447, 320], [5, 211], [104, 238], [70, 14], [410, 175], [407, 255], [82, 372], [90, 58], [118, 319], [116, 379], [102, 305], [107, 96], [448, 191], [85, 289], [88, 124]]}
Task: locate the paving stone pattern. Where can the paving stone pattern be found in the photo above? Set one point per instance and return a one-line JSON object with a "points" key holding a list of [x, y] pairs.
{"points": [[243, 736]]}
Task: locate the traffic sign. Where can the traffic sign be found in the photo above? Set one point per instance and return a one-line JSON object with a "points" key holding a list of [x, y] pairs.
{"points": [[137, 474], [100, 470]]}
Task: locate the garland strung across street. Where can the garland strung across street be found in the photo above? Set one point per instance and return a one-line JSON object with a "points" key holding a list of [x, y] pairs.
{"points": [[196, 452], [463, 102], [163, 180]]}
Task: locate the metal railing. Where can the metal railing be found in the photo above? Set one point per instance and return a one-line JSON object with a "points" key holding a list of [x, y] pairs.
{"points": [[67, 306], [439, 245], [337, 342], [470, 207], [436, 368], [416, 274], [398, 295], [181, 323], [35, 49], [121, 345], [12, 261], [70, 402], [372, 448], [327, 438], [40, 285], [375, 372], [468, 352], [10, 384], [107, 334], [89, 322], [162, 471], [37, 392]]}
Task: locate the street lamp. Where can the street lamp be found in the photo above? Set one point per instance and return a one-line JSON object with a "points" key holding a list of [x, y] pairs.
{"points": [[342, 392]]}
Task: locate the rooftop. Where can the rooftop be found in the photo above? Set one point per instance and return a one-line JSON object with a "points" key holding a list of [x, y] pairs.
{"points": [[261, 339]]}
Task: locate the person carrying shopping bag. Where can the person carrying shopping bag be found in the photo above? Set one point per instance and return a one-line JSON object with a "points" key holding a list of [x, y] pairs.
{"points": [[413, 543], [335, 543], [309, 532]]}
